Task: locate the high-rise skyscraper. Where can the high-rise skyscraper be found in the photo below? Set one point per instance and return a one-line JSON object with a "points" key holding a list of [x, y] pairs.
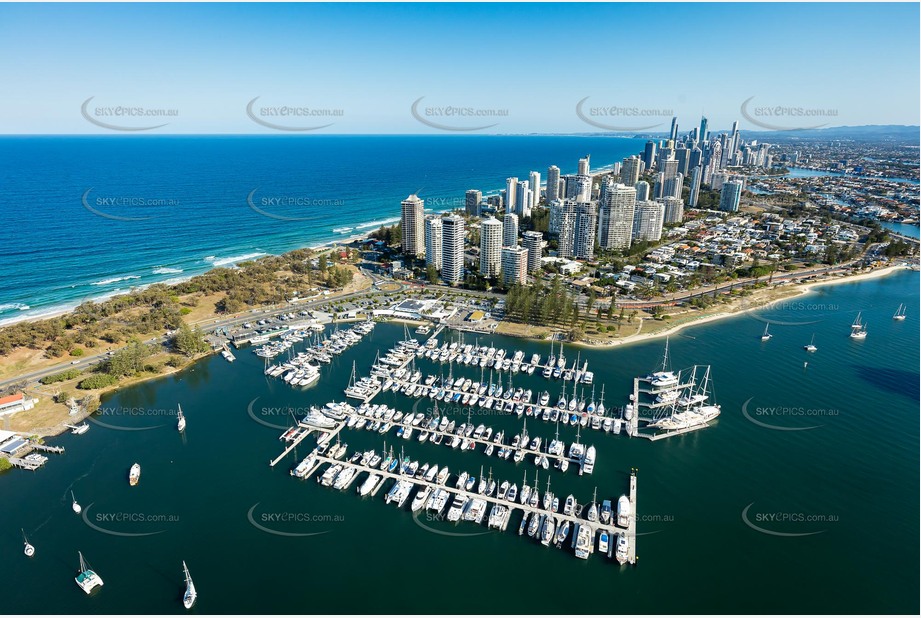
{"points": [[555, 218], [683, 157], [567, 229], [522, 199], [647, 221], [703, 136], [578, 187], [490, 247], [649, 154], [510, 230], [472, 201], [630, 170], [452, 252], [674, 132], [553, 183], [532, 242], [730, 194], [674, 209], [433, 241], [696, 159], [696, 177], [615, 217], [412, 220], [511, 193], [642, 190], [586, 229], [514, 265], [584, 168], [534, 181]]}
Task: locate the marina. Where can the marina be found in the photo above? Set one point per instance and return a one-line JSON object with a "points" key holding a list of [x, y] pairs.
{"points": [[585, 529], [467, 437], [678, 522]]}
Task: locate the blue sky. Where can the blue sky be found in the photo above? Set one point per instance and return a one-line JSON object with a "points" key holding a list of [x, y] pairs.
{"points": [[853, 63]]}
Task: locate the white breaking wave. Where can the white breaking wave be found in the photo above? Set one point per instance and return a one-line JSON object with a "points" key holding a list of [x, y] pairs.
{"points": [[363, 226], [215, 261], [163, 270], [17, 306], [116, 280]]}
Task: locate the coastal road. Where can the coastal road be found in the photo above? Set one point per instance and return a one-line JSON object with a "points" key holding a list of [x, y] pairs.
{"points": [[231, 322]]}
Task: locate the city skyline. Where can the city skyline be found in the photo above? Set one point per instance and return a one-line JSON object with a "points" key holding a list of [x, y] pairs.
{"points": [[237, 82]]}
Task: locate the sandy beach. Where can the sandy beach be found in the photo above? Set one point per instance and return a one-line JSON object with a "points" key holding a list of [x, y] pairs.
{"points": [[752, 305]]}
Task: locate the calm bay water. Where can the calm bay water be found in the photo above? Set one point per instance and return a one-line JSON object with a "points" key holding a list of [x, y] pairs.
{"points": [[857, 470], [94, 216]]}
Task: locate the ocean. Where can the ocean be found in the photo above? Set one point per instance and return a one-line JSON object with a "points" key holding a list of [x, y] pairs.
{"points": [[825, 453], [90, 217]]}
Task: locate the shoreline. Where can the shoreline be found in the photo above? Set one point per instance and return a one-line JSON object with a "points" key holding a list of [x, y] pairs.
{"points": [[797, 290], [356, 235]]}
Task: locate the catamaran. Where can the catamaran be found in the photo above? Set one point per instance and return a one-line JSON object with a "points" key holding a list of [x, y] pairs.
{"points": [[180, 423], [858, 330], [188, 599], [87, 578], [811, 347], [899, 313]]}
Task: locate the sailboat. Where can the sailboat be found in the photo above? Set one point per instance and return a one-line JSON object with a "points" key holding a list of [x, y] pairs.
{"points": [[765, 336], [899, 313], [811, 347], [76, 507], [858, 330], [188, 599], [180, 424], [87, 578], [28, 550]]}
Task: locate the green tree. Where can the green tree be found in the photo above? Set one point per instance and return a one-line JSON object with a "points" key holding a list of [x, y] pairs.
{"points": [[189, 341]]}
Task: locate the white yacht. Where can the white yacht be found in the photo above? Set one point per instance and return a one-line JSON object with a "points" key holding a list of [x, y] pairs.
{"points": [[370, 483], [622, 548], [899, 313], [28, 548], [180, 423], [75, 506], [858, 330], [766, 336], [584, 541], [188, 599]]}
